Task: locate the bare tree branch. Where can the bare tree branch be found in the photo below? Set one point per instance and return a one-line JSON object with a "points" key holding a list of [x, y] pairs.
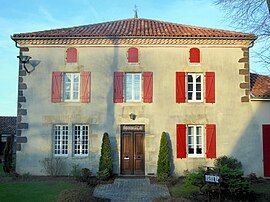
{"points": [[251, 16]]}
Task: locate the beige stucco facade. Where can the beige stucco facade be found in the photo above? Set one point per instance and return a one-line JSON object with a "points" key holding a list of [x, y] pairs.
{"points": [[238, 124]]}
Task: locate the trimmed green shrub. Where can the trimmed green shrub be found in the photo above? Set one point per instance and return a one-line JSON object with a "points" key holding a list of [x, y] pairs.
{"points": [[163, 164], [105, 162], [104, 174], [233, 181], [7, 166], [195, 178]]}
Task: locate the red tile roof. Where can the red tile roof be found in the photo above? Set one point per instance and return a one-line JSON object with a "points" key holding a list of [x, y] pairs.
{"points": [[8, 124], [135, 27], [259, 86]]}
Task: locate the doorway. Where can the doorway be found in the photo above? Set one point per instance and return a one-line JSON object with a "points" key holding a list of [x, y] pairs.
{"points": [[132, 150]]}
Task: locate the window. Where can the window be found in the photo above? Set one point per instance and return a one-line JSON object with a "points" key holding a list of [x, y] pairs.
{"points": [[195, 141], [133, 55], [80, 140], [194, 55], [60, 140], [133, 87], [195, 85], [191, 141], [71, 56], [71, 86]]}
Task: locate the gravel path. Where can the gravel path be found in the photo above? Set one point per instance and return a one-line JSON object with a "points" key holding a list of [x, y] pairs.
{"points": [[131, 190]]}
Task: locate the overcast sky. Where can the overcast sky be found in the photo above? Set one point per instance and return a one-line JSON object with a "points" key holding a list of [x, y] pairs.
{"points": [[35, 15]]}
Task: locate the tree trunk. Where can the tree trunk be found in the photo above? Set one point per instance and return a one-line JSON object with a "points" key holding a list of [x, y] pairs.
{"points": [[268, 5]]}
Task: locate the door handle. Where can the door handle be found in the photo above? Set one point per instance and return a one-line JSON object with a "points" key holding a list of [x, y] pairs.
{"points": [[126, 158]]}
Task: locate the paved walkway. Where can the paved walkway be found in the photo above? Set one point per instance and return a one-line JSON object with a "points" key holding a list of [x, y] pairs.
{"points": [[124, 189]]}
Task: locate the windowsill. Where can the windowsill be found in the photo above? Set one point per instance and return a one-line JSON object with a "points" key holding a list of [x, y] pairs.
{"points": [[195, 101], [62, 156], [194, 64], [134, 63], [80, 156], [195, 156]]}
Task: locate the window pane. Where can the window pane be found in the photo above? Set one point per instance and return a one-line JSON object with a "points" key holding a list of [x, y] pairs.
{"points": [[191, 149], [67, 78], [190, 139], [198, 96], [190, 87], [199, 130], [199, 149], [189, 95], [128, 86], [75, 95], [198, 87], [190, 78], [76, 77], [137, 87], [198, 78]]}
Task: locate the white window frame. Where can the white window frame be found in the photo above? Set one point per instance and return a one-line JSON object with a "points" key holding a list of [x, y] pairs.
{"points": [[72, 75], [195, 141], [132, 88], [194, 91], [79, 152], [63, 133]]}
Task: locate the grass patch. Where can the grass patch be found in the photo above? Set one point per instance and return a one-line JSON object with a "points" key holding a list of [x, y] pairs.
{"points": [[33, 191], [181, 190]]}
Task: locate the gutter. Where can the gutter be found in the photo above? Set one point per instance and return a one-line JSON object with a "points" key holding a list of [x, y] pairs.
{"points": [[260, 99]]}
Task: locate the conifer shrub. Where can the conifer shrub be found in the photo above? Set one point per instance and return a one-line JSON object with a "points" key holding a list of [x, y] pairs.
{"points": [[233, 181], [105, 162], [7, 166], [163, 164]]}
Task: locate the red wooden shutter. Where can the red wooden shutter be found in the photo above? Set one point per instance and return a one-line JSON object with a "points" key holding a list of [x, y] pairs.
{"points": [[148, 87], [71, 55], [133, 55], [56, 87], [85, 87], [180, 87], [210, 141], [210, 87], [194, 55], [118, 87], [181, 140]]}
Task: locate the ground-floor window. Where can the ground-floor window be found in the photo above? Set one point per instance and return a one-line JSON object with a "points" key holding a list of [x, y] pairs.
{"points": [[80, 140], [195, 140], [60, 140]]}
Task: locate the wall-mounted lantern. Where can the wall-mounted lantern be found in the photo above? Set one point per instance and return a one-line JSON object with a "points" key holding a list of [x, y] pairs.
{"points": [[132, 116], [25, 59]]}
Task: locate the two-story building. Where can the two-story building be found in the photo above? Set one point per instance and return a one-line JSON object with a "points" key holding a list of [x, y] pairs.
{"points": [[135, 78]]}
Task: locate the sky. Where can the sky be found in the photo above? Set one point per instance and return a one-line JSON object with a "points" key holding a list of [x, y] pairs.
{"points": [[35, 15]]}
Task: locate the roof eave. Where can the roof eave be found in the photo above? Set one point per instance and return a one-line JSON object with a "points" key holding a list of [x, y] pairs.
{"points": [[134, 37]]}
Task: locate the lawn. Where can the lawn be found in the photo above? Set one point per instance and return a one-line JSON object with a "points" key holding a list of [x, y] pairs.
{"points": [[33, 190]]}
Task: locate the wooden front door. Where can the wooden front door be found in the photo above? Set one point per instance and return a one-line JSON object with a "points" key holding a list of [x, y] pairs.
{"points": [[266, 150], [132, 149]]}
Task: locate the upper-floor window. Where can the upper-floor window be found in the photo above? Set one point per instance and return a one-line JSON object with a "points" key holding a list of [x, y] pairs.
{"points": [[71, 55], [60, 140], [80, 140], [71, 86], [133, 55], [195, 141], [133, 87], [195, 87], [194, 55]]}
